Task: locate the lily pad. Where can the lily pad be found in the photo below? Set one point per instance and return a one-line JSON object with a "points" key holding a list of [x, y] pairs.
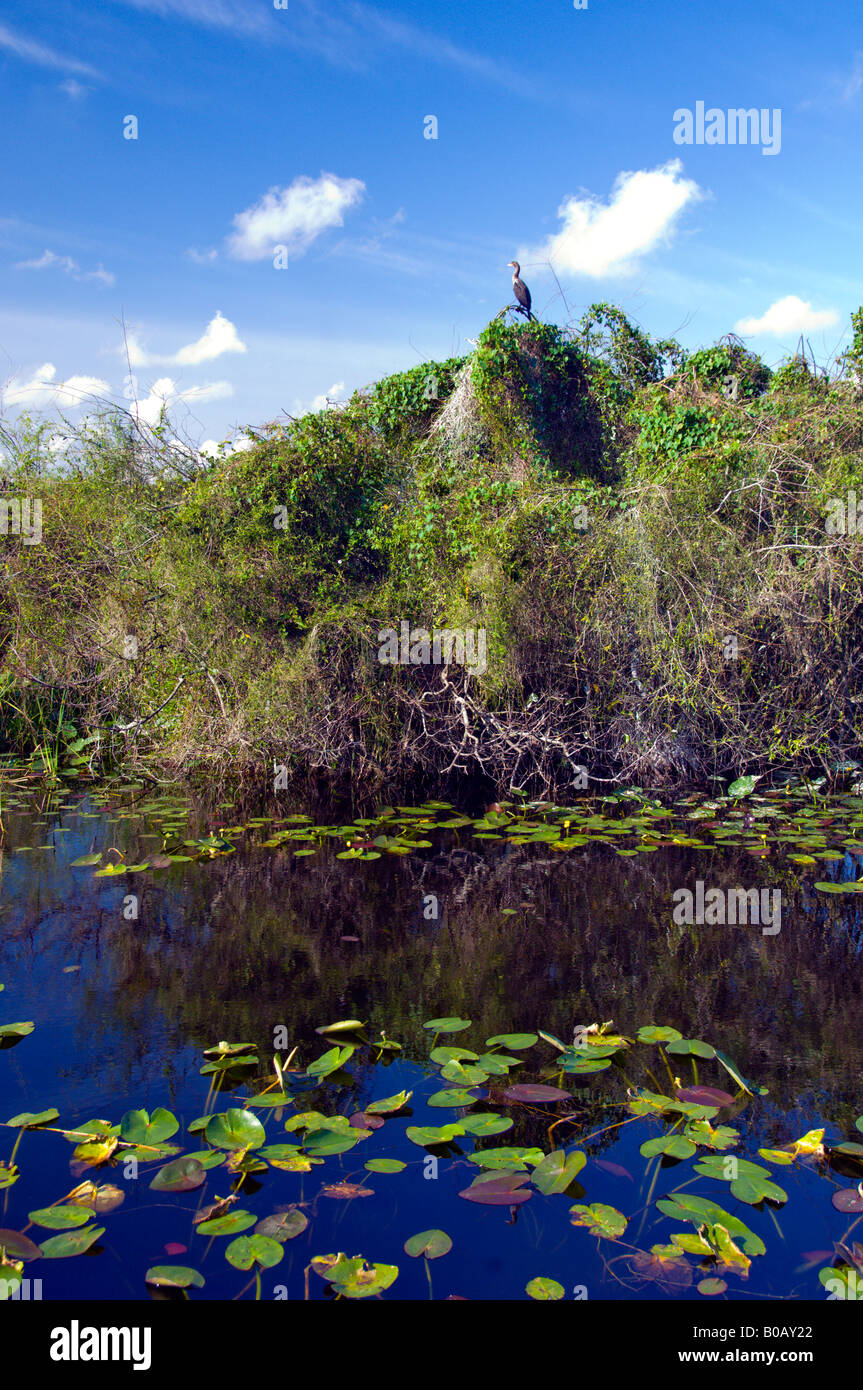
{"points": [[228, 1225], [557, 1170], [450, 1024], [19, 1246], [246, 1251], [138, 1127], [283, 1225], [602, 1220], [544, 1290], [60, 1218], [174, 1277], [535, 1094], [71, 1243], [431, 1244], [235, 1129], [181, 1175]]}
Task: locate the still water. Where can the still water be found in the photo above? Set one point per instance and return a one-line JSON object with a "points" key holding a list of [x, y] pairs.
{"points": [[259, 930]]}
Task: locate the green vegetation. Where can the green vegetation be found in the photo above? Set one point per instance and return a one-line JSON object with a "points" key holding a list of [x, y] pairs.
{"points": [[640, 533], [235, 1147]]}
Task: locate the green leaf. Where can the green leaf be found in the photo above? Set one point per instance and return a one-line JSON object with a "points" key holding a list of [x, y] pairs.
{"points": [[516, 1041], [246, 1251], [235, 1129], [138, 1127], [389, 1105], [447, 1025], [60, 1218], [601, 1219], [227, 1225], [182, 1175], [670, 1145], [283, 1225], [86, 860], [71, 1243], [544, 1289], [557, 1170], [483, 1123], [654, 1033], [511, 1157], [331, 1061], [691, 1047], [27, 1120], [431, 1244], [426, 1135], [174, 1277], [385, 1165], [743, 786]]}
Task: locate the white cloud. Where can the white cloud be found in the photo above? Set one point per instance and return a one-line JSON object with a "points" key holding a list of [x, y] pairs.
{"points": [[608, 238], [42, 391], [334, 396], [33, 52], [49, 260], [212, 448], [164, 393], [788, 315], [293, 216], [219, 336], [74, 90]]}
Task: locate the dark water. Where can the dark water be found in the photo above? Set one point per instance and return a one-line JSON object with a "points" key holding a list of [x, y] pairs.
{"points": [[239, 946]]}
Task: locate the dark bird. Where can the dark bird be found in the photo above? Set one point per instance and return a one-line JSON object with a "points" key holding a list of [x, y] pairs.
{"points": [[519, 289]]}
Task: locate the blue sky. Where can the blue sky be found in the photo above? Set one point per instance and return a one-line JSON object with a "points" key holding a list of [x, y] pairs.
{"points": [[304, 128]]}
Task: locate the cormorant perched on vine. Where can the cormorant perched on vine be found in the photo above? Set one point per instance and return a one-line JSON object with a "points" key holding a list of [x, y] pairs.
{"points": [[519, 289]]}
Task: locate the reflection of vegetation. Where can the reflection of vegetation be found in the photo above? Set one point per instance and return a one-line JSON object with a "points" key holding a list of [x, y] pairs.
{"points": [[641, 534]]}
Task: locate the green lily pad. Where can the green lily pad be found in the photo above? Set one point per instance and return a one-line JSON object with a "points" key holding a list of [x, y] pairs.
{"points": [[27, 1120], [557, 1170], [174, 1277], [544, 1290], [283, 1225], [452, 1099], [19, 1246], [227, 1225], [71, 1243], [602, 1220], [389, 1105], [447, 1025], [138, 1127], [431, 1244], [385, 1165], [182, 1175], [429, 1135], [517, 1041], [654, 1033], [235, 1129], [483, 1123], [691, 1047], [669, 1145], [60, 1218], [514, 1157], [246, 1251]]}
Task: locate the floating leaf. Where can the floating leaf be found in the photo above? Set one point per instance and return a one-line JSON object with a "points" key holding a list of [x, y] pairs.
{"points": [[484, 1123], [246, 1251], [235, 1129], [182, 1175], [498, 1190], [705, 1095], [447, 1025], [533, 1094], [847, 1199], [86, 861], [347, 1025], [138, 1127], [21, 1247], [385, 1165], [557, 1170], [670, 1146], [283, 1225], [743, 786], [227, 1225], [517, 1041], [452, 1099], [60, 1218], [174, 1277], [691, 1047], [601, 1219], [425, 1135], [653, 1033], [711, 1287], [431, 1244], [27, 1120], [389, 1105], [71, 1243], [544, 1289]]}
